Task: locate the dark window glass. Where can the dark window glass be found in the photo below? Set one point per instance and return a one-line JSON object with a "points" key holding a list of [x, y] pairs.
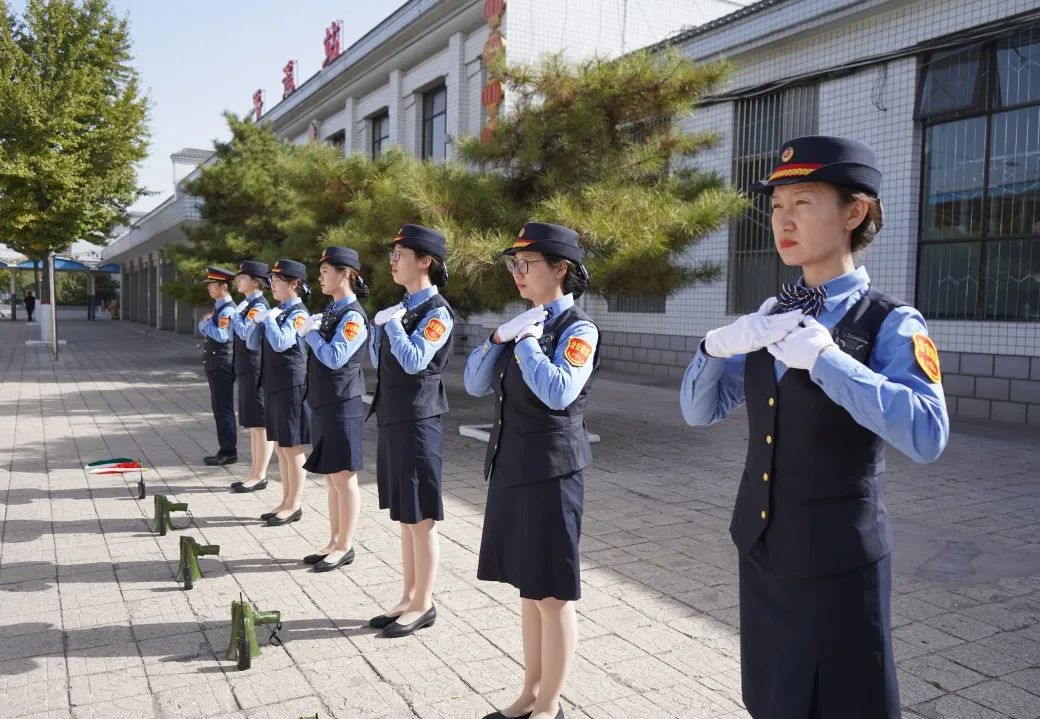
{"points": [[435, 123]]}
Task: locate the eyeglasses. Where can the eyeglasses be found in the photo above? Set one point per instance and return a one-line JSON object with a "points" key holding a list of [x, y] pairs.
{"points": [[519, 267], [395, 255]]}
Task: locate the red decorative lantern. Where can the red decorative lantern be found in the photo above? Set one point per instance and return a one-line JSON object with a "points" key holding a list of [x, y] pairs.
{"points": [[492, 93], [485, 134], [493, 10], [495, 44], [258, 103]]}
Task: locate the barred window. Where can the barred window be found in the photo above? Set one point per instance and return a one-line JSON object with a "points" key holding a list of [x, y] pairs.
{"points": [[979, 253], [760, 125]]}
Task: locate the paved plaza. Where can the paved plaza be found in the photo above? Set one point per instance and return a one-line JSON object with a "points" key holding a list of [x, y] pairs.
{"points": [[92, 623]]}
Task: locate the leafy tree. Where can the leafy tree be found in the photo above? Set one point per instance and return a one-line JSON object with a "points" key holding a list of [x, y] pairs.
{"points": [[72, 124]]}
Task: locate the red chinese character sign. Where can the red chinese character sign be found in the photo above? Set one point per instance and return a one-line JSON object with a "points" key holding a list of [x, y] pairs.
{"points": [[258, 104], [493, 92], [288, 79], [333, 34]]}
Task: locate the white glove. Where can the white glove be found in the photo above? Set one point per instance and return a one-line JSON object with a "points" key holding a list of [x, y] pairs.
{"points": [[273, 313], [751, 332], [309, 325], [384, 316], [801, 348], [241, 305], [534, 331], [509, 330]]}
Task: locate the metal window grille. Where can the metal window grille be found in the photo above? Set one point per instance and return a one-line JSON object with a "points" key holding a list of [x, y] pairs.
{"points": [[760, 125], [979, 242]]}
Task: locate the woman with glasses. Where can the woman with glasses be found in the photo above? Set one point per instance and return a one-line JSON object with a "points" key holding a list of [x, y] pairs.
{"points": [[411, 344], [334, 388], [539, 366], [283, 376]]}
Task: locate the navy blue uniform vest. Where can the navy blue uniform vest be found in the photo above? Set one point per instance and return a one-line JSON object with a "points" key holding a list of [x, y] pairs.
{"points": [[403, 397], [326, 385], [813, 484], [282, 370], [246, 360], [216, 355], [531, 442]]}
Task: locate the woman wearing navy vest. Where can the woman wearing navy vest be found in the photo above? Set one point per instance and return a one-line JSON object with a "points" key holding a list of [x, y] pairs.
{"points": [[539, 366], [831, 369], [411, 344], [218, 361], [334, 388], [283, 377], [250, 282]]}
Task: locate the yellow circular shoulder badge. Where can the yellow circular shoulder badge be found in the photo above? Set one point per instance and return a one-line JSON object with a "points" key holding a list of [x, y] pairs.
{"points": [[787, 154], [298, 322], [927, 356], [351, 330]]}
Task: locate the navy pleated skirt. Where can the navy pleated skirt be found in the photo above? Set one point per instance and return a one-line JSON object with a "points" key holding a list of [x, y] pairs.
{"points": [[336, 431], [816, 648], [287, 416], [250, 401], [408, 470], [531, 534]]}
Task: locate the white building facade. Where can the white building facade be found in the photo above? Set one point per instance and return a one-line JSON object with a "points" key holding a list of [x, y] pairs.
{"points": [[947, 92]]}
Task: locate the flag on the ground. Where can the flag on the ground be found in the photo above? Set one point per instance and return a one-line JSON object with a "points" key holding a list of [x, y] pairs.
{"points": [[120, 465]]}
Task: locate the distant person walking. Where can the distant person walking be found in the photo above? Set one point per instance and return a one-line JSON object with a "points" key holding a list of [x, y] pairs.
{"points": [[30, 304]]}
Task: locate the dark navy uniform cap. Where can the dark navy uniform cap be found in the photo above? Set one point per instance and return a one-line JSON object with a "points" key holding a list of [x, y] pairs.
{"points": [[290, 270], [819, 158], [259, 270], [341, 257], [217, 274], [423, 239], [548, 239]]}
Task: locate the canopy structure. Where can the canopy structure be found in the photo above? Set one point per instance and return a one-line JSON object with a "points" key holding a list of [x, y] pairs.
{"points": [[63, 264]]}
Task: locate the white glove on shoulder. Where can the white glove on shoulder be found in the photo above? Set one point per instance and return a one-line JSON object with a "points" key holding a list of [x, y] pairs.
{"points": [[309, 325], [534, 331], [273, 313], [384, 316], [241, 305], [508, 331], [751, 332], [802, 347]]}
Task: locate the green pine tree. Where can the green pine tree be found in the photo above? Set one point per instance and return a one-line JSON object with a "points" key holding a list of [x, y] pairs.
{"points": [[593, 146]]}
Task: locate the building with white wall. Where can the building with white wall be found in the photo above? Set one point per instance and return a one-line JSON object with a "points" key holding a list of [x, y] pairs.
{"points": [[947, 91]]}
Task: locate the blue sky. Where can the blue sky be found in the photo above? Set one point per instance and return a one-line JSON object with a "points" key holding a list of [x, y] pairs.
{"points": [[199, 58]]}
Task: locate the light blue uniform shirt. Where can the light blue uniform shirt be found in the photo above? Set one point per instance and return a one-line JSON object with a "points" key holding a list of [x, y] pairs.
{"points": [[555, 381], [281, 336], [892, 396], [222, 308], [414, 351], [338, 351], [243, 327]]}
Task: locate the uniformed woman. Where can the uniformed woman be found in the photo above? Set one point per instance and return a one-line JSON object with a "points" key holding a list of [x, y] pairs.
{"points": [[217, 359], [283, 377], [334, 388], [410, 346], [250, 282], [831, 370], [539, 366]]}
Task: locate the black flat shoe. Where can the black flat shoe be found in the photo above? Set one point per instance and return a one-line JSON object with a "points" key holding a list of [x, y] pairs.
{"points": [[276, 521], [314, 558], [395, 629], [217, 460], [267, 515], [240, 488], [500, 715], [382, 621], [324, 566]]}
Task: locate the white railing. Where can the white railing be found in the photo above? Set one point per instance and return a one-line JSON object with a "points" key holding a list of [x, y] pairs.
{"points": [[174, 211]]}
